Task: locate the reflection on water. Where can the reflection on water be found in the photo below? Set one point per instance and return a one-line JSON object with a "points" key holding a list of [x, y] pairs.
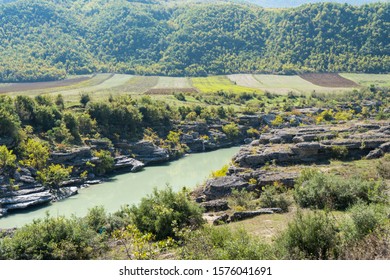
{"points": [[130, 188]]}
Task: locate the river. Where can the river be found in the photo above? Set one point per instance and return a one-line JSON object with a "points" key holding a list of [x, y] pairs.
{"points": [[129, 188]]}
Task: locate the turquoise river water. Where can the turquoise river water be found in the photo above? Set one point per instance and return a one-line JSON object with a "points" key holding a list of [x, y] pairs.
{"points": [[131, 187]]}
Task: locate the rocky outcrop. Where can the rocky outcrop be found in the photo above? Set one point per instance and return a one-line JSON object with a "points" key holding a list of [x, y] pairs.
{"points": [[65, 192], [26, 200], [314, 144], [215, 205], [238, 216], [75, 157], [148, 152], [222, 186], [124, 162]]}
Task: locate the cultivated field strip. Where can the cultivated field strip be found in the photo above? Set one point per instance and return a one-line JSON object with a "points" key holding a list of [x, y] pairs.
{"points": [[368, 79], [282, 84], [112, 82], [245, 80], [53, 88], [173, 82], [328, 80], [20, 87], [170, 85], [213, 84], [138, 84]]}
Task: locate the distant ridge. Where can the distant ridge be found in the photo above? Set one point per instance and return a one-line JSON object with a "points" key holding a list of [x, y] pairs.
{"points": [[42, 40]]}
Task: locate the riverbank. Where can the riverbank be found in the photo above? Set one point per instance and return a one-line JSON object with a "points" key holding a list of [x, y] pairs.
{"points": [[129, 188]]}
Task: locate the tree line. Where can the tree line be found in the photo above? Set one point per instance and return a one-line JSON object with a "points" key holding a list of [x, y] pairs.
{"points": [[41, 40]]}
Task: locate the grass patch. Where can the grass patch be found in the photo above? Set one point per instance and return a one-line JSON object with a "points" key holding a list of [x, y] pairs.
{"points": [[382, 80], [219, 83]]}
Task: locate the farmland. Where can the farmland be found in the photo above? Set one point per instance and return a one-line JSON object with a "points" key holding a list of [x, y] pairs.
{"points": [[369, 79], [101, 86], [283, 84]]}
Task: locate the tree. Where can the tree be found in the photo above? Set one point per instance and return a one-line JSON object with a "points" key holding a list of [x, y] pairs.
{"points": [[53, 175], [105, 163], [60, 101], [84, 99], [7, 159], [35, 153]]}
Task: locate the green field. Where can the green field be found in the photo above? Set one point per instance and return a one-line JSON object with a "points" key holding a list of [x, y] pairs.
{"points": [[369, 79], [100, 86], [215, 83]]}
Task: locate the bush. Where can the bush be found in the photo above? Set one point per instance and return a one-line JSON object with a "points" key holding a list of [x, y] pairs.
{"points": [[52, 239], [366, 218], [179, 96], [383, 167], [222, 243], [318, 190], [339, 152], [53, 175], [105, 163], [310, 236], [231, 130], [272, 198], [7, 159], [96, 219], [242, 200], [221, 172], [164, 211]]}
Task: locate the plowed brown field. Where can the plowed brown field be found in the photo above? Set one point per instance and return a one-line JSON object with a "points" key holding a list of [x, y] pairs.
{"points": [[328, 80]]}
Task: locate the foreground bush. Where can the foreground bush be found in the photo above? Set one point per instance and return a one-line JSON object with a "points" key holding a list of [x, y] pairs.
{"points": [[317, 190], [222, 243], [310, 236], [52, 239], [164, 211]]}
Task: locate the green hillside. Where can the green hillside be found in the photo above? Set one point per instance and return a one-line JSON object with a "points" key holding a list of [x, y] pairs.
{"points": [[48, 40]]}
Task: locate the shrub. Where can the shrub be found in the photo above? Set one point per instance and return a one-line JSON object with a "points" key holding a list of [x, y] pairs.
{"points": [[231, 130], [53, 175], [52, 239], [105, 163], [96, 218], [7, 159], [221, 172], [383, 167], [242, 200], [272, 198], [164, 211], [318, 190], [84, 99], [278, 121], [179, 96], [339, 152], [139, 246], [222, 243], [367, 218], [310, 236]]}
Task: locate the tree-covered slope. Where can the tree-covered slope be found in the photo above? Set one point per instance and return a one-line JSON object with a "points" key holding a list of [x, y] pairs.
{"points": [[295, 3], [43, 40]]}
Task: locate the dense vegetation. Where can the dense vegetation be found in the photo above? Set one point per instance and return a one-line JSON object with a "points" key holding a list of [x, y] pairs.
{"points": [[46, 40], [168, 224]]}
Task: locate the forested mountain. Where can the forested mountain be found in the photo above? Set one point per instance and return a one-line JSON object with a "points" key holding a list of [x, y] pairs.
{"points": [[45, 40], [295, 3]]}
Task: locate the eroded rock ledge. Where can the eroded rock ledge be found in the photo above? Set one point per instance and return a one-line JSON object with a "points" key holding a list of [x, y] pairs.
{"points": [[290, 146]]}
